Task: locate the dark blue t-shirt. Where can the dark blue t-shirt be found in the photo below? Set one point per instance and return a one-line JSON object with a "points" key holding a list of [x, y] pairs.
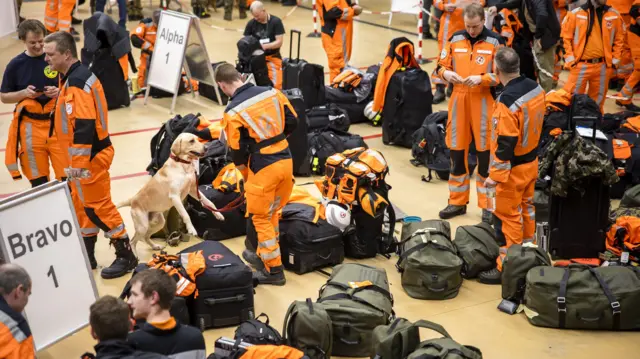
{"points": [[24, 70]]}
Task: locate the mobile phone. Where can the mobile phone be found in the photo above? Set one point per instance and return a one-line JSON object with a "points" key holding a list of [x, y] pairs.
{"points": [[38, 90]]}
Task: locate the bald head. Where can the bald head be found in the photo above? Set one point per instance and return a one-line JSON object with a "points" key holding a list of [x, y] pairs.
{"points": [[259, 12], [256, 6]]}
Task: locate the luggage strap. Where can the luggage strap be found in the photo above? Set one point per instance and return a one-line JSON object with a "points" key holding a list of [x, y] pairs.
{"points": [[422, 245], [351, 296]]}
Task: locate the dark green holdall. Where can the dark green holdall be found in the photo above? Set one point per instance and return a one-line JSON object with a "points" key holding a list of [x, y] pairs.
{"points": [[580, 297], [518, 261], [400, 338], [307, 326], [357, 298], [428, 261], [443, 348], [477, 247]]}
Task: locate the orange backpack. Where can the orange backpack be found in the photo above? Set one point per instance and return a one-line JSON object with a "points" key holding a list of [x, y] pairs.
{"points": [[621, 153], [347, 80], [624, 236], [183, 269]]}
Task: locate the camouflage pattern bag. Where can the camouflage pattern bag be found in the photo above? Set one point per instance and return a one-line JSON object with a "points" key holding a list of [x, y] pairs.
{"points": [[581, 297], [477, 247], [428, 261], [518, 261]]}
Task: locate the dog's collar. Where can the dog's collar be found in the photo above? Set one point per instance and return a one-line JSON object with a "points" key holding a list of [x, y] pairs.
{"points": [[178, 159]]}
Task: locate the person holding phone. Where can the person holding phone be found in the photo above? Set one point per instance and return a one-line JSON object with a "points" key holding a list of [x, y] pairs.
{"points": [[31, 84]]}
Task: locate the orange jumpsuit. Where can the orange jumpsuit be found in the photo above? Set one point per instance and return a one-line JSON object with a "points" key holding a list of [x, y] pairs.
{"points": [[256, 123], [57, 15], [508, 25], [336, 21], [591, 59], [516, 126], [562, 7], [144, 38], [16, 341], [633, 40], [626, 66], [81, 125], [469, 110]]}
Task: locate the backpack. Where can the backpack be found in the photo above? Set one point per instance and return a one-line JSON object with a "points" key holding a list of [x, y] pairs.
{"points": [[257, 332], [429, 147], [174, 228], [215, 158], [518, 261], [163, 139], [477, 247], [428, 261], [252, 60], [307, 326], [357, 298], [325, 143], [443, 348], [320, 118]]}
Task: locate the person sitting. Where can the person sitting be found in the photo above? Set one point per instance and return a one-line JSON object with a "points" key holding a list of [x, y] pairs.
{"points": [[16, 341], [269, 30]]}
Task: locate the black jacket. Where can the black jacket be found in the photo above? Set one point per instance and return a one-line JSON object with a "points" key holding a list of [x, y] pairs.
{"points": [[543, 14], [120, 349]]}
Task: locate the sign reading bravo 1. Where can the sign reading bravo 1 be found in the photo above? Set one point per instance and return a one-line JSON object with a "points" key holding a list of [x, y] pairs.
{"points": [[39, 231]]}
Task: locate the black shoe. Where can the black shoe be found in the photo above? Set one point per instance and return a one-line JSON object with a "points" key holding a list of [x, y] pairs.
{"points": [[90, 246], [487, 217], [253, 259], [449, 90], [276, 278], [125, 261], [439, 96], [427, 36], [630, 107], [492, 276], [227, 16], [452, 210], [75, 21]]}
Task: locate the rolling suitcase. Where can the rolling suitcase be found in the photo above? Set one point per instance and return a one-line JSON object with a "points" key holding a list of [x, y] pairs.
{"points": [[309, 78], [298, 142], [225, 288]]}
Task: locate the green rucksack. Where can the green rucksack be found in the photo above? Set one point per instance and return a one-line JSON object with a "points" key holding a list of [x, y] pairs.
{"points": [[518, 261], [357, 298], [477, 247], [631, 197], [400, 338], [443, 348], [428, 261], [174, 229], [307, 326], [580, 297]]}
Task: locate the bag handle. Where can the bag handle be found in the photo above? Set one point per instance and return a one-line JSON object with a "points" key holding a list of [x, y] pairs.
{"points": [[287, 318], [291, 45], [266, 322], [613, 301], [432, 326]]}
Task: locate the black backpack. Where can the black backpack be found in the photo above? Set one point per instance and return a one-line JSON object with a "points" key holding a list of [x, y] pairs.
{"points": [[429, 147], [323, 144], [257, 332], [215, 157], [251, 59], [163, 139]]}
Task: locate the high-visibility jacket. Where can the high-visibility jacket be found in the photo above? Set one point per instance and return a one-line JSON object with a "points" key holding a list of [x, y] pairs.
{"points": [[25, 109], [304, 204], [400, 53], [517, 123], [81, 119], [623, 6], [144, 37], [229, 179], [580, 21], [452, 22], [466, 60], [183, 269], [16, 341], [334, 14], [507, 25]]}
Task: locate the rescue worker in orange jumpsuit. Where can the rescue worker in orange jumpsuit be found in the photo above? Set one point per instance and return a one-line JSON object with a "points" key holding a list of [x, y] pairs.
{"points": [[29, 82], [81, 126], [633, 40], [58, 17], [624, 70], [593, 37], [144, 38], [16, 341], [467, 62], [269, 30], [516, 126], [562, 7], [507, 24], [336, 21], [451, 22], [256, 122]]}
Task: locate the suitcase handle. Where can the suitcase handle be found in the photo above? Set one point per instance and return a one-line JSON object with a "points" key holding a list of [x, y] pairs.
{"points": [[214, 301], [291, 45]]}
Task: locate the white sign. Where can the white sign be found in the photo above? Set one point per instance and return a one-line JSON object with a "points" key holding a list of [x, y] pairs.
{"points": [[406, 6], [39, 231]]}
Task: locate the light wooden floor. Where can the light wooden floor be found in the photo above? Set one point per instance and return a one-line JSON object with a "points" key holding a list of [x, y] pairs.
{"points": [[471, 318]]}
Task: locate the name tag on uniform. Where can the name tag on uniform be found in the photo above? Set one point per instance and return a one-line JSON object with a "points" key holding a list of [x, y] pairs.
{"points": [[460, 50], [264, 41], [582, 17], [488, 52], [609, 18]]}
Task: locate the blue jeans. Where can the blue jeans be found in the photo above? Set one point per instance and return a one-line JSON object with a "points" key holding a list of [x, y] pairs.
{"points": [[122, 7]]}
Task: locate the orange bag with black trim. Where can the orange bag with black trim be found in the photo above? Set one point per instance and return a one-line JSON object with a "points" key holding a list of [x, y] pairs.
{"points": [[347, 80], [183, 269], [624, 236], [621, 153], [632, 124]]}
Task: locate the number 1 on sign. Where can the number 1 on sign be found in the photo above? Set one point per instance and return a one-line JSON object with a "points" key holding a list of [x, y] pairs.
{"points": [[51, 273], [166, 62]]}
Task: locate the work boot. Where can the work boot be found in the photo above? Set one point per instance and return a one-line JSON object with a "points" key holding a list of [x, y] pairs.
{"points": [[452, 210], [90, 246], [439, 96], [630, 107], [243, 14], [274, 278], [427, 36], [491, 276], [252, 258], [487, 217], [75, 21], [125, 260]]}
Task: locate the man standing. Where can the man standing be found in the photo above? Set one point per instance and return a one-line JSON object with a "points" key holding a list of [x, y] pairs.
{"points": [[269, 30], [58, 17], [593, 36], [515, 130], [541, 27], [633, 40], [81, 126], [336, 21], [16, 341], [256, 124], [467, 62]]}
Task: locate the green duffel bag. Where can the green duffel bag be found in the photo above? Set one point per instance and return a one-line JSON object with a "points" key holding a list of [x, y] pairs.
{"points": [[307, 326], [174, 228], [580, 297], [443, 348], [400, 338], [631, 197], [477, 247], [357, 298], [518, 261], [428, 261]]}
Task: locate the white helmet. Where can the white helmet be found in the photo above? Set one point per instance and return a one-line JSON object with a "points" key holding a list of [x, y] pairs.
{"points": [[338, 214], [368, 111]]}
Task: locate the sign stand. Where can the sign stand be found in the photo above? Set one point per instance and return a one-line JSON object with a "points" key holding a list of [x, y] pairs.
{"points": [[39, 231], [179, 45]]}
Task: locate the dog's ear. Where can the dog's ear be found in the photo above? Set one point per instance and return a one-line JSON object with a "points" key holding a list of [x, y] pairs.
{"points": [[176, 146]]}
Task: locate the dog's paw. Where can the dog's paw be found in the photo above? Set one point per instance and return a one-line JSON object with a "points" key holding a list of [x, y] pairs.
{"points": [[218, 216], [192, 231], [157, 247]]}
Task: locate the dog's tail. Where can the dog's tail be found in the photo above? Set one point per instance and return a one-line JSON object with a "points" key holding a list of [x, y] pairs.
{"points": [[125, 203]]}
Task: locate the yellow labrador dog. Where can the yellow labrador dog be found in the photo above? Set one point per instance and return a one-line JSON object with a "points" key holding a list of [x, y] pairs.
{"points": [[168, 188]]}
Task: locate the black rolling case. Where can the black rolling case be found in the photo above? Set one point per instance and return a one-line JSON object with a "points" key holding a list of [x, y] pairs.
{"points": [[309, 78], [207, 226], [348, 102], [322, 117], [298, 142], [309, 246], [225, 288]]}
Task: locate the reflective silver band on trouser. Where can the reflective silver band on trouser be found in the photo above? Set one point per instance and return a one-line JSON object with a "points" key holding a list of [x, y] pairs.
{"points": [[527, 240], [484, 118], [603, 79], [583, 69], [270, 255], [112, 232], [268, 243], [33, 165], [90, 232]]}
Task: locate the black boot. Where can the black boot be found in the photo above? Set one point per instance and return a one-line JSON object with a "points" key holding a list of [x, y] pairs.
{"points": [[90, 245], [492, 276], [125, 261], [273, 278], [252, 258], [630, 107], [439, 96], [452, 210], [75, 21]]}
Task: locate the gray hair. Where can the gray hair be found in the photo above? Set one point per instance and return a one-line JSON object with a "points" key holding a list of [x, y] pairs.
{"points": [[11, 277], [507, 60], [255, 6]]}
